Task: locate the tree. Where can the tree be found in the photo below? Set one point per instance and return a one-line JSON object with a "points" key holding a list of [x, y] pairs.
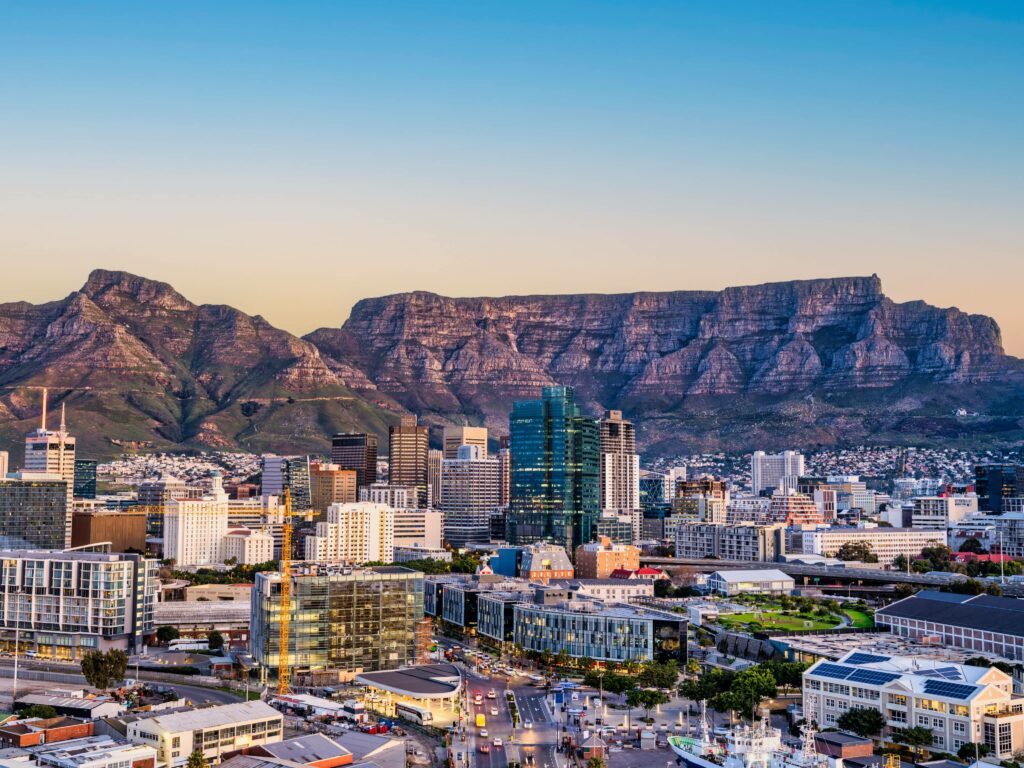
{"points": [[648, 700], [167, 633], [971, 544], [905, 590], [981, 661], [857, 550], [215, 640], [44, 711], [197, 760], [655, 675], [916, 738], [862, 721], [595, 762], [972, 751], [750, 687], [104, 670]]}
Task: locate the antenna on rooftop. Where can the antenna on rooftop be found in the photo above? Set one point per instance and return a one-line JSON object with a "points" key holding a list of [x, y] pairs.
{"points": [[42, 422]]}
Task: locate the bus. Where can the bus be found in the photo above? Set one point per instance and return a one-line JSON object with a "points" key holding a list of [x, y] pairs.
{"points": [[413, 713], [481, 721]]}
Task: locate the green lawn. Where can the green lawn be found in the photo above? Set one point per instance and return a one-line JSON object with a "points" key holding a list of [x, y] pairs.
{"points": [[859, 619], [770, 620]]}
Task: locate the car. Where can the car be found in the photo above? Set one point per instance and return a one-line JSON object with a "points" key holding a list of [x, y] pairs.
{"points": [[494, 711], [485, 748], [527, 724], [496, 742], [492, 694], [483, 733]]}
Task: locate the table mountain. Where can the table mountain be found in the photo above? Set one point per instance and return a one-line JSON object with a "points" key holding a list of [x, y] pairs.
{"points": [[797, 362]]}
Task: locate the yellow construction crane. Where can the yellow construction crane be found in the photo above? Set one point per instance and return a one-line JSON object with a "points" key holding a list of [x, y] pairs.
{"points": [[283, 668]]}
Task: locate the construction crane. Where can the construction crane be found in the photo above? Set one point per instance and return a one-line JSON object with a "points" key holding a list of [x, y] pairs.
{"points": [[284, 623]]}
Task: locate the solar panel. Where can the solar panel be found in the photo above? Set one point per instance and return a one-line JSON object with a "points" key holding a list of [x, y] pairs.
{"points": [[872, 677], [833, 670], [865, 658], [952, 690]]}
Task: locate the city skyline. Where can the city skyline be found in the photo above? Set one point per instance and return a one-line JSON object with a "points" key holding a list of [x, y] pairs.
{"points": [[477, 150]]}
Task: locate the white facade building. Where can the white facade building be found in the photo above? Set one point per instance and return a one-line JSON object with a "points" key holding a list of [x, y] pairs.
{"points": [[768, 469], [354, 533], [939, 512], [886, 543], [470, 494], [194, 529], [248, 547], [419, 528]]}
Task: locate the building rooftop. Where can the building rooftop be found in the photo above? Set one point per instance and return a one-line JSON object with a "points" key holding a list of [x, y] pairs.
{"points": [[765, 574], [1004, 615], [210, 717], [306, 749], [432, 681]]}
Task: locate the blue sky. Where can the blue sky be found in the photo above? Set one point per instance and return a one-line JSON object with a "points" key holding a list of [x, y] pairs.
{"points": [[290, 158]]}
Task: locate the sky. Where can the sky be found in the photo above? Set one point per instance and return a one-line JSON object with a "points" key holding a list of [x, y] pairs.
{"points": [[289, 158]]}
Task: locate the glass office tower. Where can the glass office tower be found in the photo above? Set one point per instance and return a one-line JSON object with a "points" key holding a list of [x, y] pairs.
{"points": [[555, 453]]}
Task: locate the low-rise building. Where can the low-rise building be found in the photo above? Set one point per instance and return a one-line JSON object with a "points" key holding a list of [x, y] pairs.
{"points": [[598, 559], [886, 543], [742, 541], [939, 512], [210, 730], [983, 623], [245, 546], [37, 730], [957, 703], [586, 629], [94, 752], [769, 581]]}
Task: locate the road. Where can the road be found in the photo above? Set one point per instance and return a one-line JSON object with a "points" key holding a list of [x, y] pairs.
{"points": [[64, 674]]}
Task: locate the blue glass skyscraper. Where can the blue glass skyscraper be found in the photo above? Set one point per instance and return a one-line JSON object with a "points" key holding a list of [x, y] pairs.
{"points": [[555, 453]]}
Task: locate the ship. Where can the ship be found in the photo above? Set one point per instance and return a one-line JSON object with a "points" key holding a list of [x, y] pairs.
{"points": [[746, 746]]}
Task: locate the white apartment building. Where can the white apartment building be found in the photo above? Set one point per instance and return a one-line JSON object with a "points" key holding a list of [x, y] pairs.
{"points": [[419, 528], [939, 512], [620, 463], [211, 730], [246, 546], [743, 541], [194, 529], [886, 543], [354, 533], [747, 509], [958, 704], [768, 469], [394, 496]]}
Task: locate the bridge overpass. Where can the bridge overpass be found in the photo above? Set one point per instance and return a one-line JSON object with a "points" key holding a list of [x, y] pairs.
{"points": [[813, 574]]}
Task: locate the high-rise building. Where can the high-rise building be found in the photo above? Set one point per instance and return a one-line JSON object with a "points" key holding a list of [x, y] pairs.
{"points": [[290, 473], [407, 456], [995, 482], [505, 471], [348, 619], [69, 603], [355, 534], [5, 465], [358, 451], [52, 453], [85, 479], [194, 529], [456, 437], [555, 471], [34, 512], [620, 463], [158, 494], [768, 469], [434, 480], [330, 484], [471, 494]]}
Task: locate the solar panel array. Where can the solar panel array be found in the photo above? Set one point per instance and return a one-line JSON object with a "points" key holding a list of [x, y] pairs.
{"points": [[865, 658], [833, 670], [952, 690], [872, 677]]}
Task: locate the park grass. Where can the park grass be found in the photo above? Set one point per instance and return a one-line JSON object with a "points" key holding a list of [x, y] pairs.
{"points": [[859, 619], [772, 620]]}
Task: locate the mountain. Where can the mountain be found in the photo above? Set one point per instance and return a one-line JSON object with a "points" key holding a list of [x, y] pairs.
{"points": [[798, 363], [136, 363]]}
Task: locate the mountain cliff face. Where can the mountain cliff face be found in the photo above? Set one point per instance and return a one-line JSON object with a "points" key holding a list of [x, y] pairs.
{"points": [[797, 363], [745, 353], [137, 363]]}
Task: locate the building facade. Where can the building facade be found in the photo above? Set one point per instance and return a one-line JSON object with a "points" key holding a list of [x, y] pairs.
{"points": [[886, 543], [331, 484], [471, 493], [768, 469], [348, 619], [597, 559], [742, 541], [555, 471], [407, 456], [68, 603], [356, 451], [620, 463], [34, 512], [456, 437], [354, 533]]}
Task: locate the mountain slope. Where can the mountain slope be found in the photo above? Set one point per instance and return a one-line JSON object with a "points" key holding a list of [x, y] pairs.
{"points": [[136, 361], [830, 360]]}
